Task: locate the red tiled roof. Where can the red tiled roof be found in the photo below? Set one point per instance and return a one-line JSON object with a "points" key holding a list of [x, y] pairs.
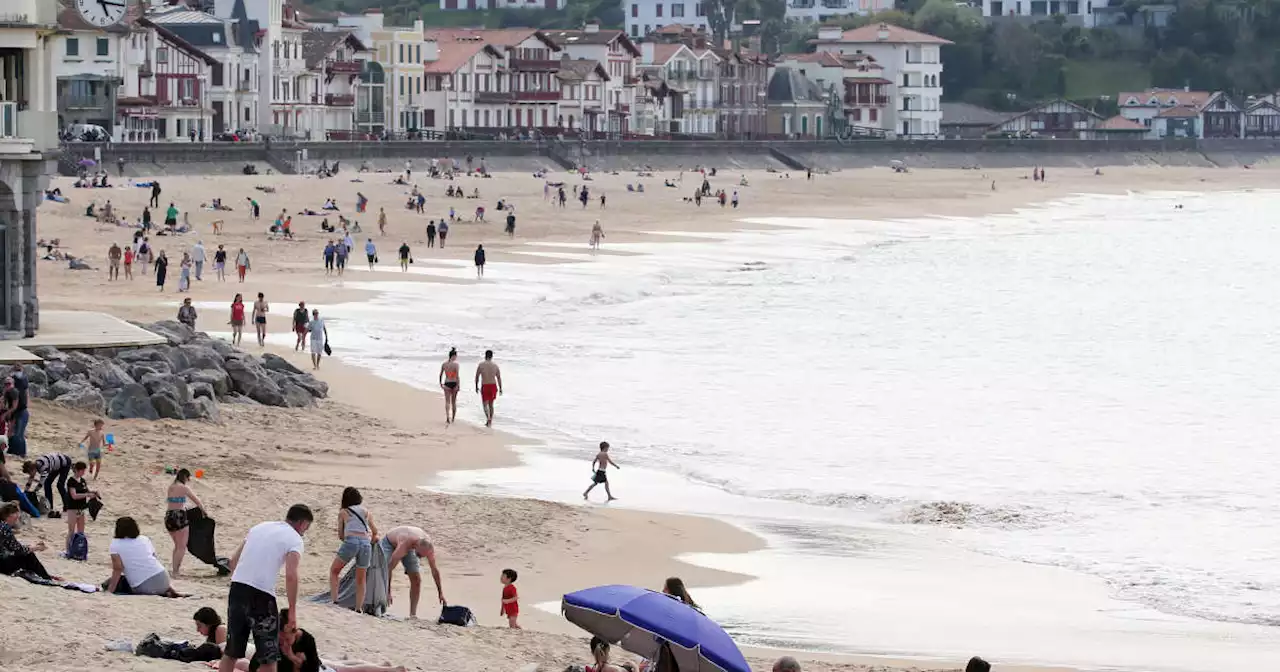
{"points": [[1179, 112], [870, 33], [1120, 123], [1164, 97], [663, 52], [498, 37], [823, 58], [456, 53]]}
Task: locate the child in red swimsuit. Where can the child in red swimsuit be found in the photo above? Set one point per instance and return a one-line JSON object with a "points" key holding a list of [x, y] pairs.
{"points": [[510, 602]]}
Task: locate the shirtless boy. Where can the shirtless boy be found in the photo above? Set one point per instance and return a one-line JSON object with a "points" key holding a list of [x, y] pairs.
{"points": [[405, 545], [94, 442], [449, 383], [602, 462], [488, 384]]}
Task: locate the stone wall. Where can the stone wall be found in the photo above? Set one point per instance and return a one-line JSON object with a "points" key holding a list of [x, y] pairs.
{"points": [[22, 183]]}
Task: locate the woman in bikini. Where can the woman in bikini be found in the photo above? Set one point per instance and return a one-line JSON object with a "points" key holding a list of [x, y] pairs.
{"points": [[449, 383], [176, 516], [260, 310]]}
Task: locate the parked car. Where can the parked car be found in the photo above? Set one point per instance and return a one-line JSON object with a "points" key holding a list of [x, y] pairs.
{"points": [[85, 133]]}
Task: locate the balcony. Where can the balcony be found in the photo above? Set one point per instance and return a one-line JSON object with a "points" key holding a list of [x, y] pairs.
{"points": [[26, 131], [244, 86], [535, 64], [494, 97], [371, 117], [28, 13], [866, 101], [802, 4], [84, 102], [536, 96], [344, 67], [339, 99], [835, 4]]}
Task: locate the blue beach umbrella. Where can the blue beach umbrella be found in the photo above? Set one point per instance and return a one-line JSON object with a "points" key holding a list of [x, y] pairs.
{"points": [[640, 620]]}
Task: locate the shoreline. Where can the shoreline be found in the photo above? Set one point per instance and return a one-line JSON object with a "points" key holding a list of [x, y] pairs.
{"points": [[397, 412]]}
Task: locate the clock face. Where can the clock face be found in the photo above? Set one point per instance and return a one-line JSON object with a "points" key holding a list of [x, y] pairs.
{"points": [[102, 13]]}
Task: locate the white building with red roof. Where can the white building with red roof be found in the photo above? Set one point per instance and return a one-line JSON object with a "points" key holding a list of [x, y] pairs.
{"points": [[910, 60]]}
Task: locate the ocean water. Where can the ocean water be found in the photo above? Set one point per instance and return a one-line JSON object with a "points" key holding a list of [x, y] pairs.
{"points": [[1087, 387]]}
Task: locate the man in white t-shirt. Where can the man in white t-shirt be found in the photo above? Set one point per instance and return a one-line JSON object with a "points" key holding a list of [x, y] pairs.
{"points": [[251, 603]]}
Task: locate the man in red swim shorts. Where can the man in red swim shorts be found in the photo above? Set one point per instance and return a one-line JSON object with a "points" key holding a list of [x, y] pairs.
{"points": [[488, 384]]}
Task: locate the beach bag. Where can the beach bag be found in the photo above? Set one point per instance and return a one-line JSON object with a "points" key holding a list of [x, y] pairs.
{"points": [[452, 614], [78, 547]]}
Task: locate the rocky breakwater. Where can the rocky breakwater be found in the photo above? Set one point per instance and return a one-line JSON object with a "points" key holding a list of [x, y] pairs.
{"points": [[184, 379]]}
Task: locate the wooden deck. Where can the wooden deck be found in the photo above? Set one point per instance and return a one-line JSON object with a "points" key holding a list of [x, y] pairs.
{"points": [[77, 330]]}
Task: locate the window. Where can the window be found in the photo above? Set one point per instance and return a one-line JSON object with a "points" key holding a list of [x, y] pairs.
{"points": [[73, 46], [217, 38], [997, 8], [658, 9], [402, 53], [428, 118], [635, 11], [401, 90], [217, 74], [699, 9], [246, 114], [677, 11], [875, 114], [162, 55], [104, 47]]}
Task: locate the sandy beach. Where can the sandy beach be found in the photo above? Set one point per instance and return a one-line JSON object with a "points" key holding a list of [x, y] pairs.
{"points": [[387, 438]]}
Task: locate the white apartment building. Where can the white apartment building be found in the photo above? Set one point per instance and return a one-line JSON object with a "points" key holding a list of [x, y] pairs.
{"points": [[824, 10], [911, 60], [692, 80], [232, 86], [582, 95], [645, 16], [88, 67], [165, 93], [401, 54], [1077, 12], [474, 5], [28, 131], [619, 56]]}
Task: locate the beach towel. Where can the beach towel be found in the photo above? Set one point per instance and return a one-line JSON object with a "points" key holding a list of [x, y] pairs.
{"points": [[200, 541], [375, 586]]}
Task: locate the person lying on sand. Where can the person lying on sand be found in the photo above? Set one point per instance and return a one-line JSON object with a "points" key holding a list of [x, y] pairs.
{"points": [[298, 654]]}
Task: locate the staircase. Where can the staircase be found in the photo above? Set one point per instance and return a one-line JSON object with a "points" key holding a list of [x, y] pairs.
{"points": [[788, 161], [281, 160], [554, 151]]}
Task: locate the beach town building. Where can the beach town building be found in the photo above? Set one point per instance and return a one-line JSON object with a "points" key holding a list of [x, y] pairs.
{"points": [[475, 5], [911, 60], [496, 81], [668, 69], [797, 107], [642, 17], [28, 149], [165, 93], [232, 85], [742, 103], [399, 56], [88, 67], [1181, 113], [1054, 119], [810, 11], [1116, 128], [334, 61], [582, 90], [1262, 119], [1074, 12], [857, 79], [968, 121], [620, 57]]}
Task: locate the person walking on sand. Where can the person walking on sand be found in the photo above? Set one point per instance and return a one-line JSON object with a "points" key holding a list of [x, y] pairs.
{"points": [[300, 320], [237, 319], [405, 257], [220, 263], [382, 221], [113, 256], [597, 234], [162, 269], [260, 310], [198, 258], [319, 337], [443, 229], [488, 384], [329, 250], [448, 380], [184, 273], [251, 601], [177, 516], [480, 261], [431, 233], [371, 252], [255, 210], [144, 255], [511, 225], [340, 252], [242, 264], [128, 262], [404, 545], [155, 193], [599, 465]]}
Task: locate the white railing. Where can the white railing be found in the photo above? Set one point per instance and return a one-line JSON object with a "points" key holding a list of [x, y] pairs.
{"points": [[8, 120]]}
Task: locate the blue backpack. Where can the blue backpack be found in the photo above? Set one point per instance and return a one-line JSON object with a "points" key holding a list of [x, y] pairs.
{"points": [[78, 548]]}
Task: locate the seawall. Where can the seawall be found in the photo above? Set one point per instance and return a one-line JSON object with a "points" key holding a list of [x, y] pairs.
{"points": [[225, 158]]}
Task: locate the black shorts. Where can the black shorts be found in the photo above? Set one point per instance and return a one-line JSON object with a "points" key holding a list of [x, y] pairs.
{"points": [[251, 612], [600, 477], [176, 519], [342, 261]]}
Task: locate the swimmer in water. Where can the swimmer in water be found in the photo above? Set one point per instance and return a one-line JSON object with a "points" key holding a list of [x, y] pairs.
{"points": [[449, 383]]}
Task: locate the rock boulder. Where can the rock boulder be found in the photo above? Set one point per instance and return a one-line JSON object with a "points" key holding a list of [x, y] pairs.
{"points": [[274, 362], [166, 405], [132, 401], [84, 399]]}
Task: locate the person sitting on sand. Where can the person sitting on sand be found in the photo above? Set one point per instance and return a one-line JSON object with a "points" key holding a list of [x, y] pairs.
{"points": [[176, 516], [600, 654], [786, 664], [14, 555], [134, 558], [674, 586], [298, 654], [405, 545]]}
